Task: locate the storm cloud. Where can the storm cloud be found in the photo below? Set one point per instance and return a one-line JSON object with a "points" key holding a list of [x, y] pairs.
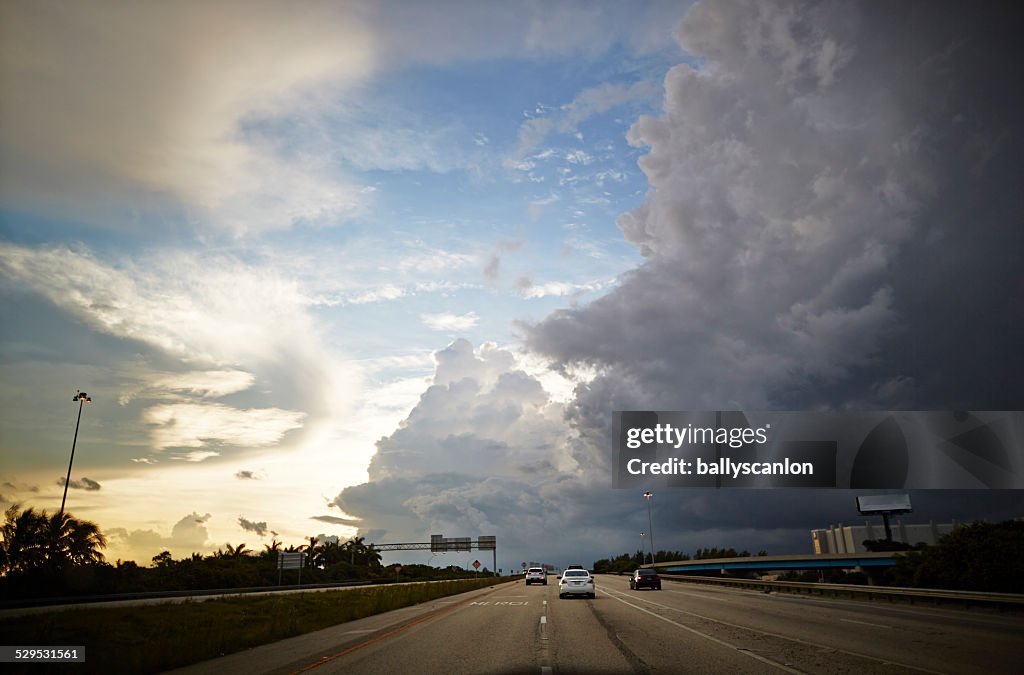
{"points": [[833, 221], [484, 450]]}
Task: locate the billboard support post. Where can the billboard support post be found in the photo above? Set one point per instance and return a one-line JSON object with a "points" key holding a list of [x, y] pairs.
{"points": [[884, 505]]}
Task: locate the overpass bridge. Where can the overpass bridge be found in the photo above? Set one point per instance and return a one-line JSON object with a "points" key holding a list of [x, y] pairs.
{"points": [[767, 563]]}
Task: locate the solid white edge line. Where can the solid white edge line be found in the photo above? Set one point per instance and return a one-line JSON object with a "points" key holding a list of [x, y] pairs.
{"points": [[796, 640]]}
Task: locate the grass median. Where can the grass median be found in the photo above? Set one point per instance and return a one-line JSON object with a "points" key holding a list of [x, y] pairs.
{"points": [[153, 638]]}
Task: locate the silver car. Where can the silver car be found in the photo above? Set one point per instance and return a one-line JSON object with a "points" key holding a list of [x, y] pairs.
{"points": [[536, 575], [576, 582]]}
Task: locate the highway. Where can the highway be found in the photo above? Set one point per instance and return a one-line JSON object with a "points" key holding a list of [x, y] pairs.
{"points": [[684, 628]]}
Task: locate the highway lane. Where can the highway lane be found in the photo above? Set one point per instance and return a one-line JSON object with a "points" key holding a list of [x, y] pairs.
{"points": [[930, 638], [684, 628], [817, 635]]}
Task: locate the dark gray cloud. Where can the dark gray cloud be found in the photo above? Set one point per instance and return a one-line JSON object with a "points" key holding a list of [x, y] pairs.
{"points": [[260, 528], [87, 484], [246, 475], [834, 221], [335, 520]]}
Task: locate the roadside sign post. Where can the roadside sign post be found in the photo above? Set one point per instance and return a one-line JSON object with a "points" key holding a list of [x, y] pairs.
{"points": [[489, 543], [290, 561]]}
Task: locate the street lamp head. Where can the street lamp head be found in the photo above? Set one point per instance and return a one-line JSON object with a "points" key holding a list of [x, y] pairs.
{"points": [[82, 396], [648, 494]]}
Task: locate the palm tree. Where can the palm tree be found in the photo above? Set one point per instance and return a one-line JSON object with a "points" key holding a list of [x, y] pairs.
{"points": [[311, 550], [24, 539], [362, 553], [75, 541], [230, 551], [238, 551], [355, 546], [372, 556], [272, 548], [329, 554], [32, 540]]}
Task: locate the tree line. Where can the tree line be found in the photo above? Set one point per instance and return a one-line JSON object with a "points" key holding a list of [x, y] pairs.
{"points": [[627, 562], [43, 555]]}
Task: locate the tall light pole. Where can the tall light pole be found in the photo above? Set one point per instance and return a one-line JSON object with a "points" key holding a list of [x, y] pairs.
{"points": [[650, 522], [82, 398]]}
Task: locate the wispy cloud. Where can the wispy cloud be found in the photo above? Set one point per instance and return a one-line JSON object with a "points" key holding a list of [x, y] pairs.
{"points": [[192, 425], [431, 260], [385, 292], [537, 204], [560, 288], [196, 456], [453, 323], [199, 309], [335, 520], [586, 104], [206, 384]]}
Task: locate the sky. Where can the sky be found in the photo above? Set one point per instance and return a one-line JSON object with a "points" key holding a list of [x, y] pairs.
{"points": [[386, 268]]}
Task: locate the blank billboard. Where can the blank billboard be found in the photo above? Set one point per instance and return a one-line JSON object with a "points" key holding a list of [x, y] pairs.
{"points": [[884, 503]]}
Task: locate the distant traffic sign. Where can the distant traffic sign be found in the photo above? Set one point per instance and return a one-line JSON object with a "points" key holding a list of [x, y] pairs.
{"points": [[290, 561]]}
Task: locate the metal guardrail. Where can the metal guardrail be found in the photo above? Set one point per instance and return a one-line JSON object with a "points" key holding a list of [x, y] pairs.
{"points": [[934, 596]]}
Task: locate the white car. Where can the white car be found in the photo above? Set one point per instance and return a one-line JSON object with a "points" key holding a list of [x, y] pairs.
{"points": [[576, 582], [536, 575]]}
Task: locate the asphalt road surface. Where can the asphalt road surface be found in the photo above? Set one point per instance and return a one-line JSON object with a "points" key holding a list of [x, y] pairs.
{"points": [[684, 628]]}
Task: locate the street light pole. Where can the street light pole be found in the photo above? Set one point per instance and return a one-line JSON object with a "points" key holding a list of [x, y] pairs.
{"points": [[82, 398], [650, 522]]}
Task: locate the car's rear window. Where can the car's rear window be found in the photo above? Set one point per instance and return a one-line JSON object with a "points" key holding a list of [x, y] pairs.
{"points": [[577, 573], [536, 570], [646, 573]]}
